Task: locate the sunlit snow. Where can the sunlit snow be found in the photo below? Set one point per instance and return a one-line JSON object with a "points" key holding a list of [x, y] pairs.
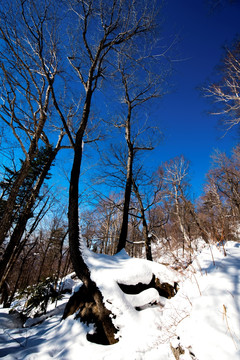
{"points": [[203, 318]]}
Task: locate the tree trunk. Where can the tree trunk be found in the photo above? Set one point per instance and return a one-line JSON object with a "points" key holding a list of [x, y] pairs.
{"points": [[24, 217], [147, 240], [7, 219], [127, 198], [128, 186], [20, 274], [8, 216], [180, 222], [60, 259], [79, 265]]}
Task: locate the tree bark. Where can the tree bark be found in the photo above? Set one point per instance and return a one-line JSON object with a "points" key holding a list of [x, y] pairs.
{"points": [[147, 240], [79, 265], [128, 187], [127, 198], [180, 222]]}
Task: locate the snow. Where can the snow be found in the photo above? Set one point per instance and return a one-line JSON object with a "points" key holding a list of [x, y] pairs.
{"points": [[67, 283], [213, 328], [203, 318], [148, 296]]}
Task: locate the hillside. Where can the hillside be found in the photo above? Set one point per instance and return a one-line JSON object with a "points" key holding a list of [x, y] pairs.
{"points": [[202, 321]]}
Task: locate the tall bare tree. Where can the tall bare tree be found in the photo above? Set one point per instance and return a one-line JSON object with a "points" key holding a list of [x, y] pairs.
{"points": [[225, 93], [27, 60], [175, 176], [220, 204], [99, 29], [140, 86], [147, 199]]}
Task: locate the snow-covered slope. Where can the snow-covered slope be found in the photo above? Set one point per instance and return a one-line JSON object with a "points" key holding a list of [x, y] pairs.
{"points": [[212, 327], [202, 320]]}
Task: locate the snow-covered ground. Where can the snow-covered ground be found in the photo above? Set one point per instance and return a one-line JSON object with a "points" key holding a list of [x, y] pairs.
{"points": [[202, 319]]}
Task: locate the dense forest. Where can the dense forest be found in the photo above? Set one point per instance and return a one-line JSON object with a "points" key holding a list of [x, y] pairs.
{"points": [[79, 80]]}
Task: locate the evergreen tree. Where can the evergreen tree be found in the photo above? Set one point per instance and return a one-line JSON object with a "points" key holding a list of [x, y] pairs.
{"points": [[26, 188]]}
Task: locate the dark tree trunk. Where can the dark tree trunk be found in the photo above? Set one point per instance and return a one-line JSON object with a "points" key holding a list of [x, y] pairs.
{"points": [[127, 198], [128, 187], [79, 265]]}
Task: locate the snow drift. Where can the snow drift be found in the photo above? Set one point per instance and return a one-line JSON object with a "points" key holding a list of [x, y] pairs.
{"points": [[201, 322]]}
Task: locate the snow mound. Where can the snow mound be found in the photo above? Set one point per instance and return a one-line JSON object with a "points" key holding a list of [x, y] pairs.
{"points": [[202, 321]]}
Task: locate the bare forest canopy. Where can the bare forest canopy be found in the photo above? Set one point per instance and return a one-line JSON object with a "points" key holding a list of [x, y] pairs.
{"points": [[78, 81]]}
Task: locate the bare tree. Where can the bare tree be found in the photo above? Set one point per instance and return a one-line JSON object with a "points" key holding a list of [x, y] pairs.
{"points": [[212, 212], [226, 174], [27, 60], [220, 204], [147, 199], [140, 85], [175, 177], [100, 28], [100, 227], [225, 93]]}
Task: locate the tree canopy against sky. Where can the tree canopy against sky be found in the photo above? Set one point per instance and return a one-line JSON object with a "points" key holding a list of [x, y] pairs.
{"points": [[96, 33], [183, 115], [196, 36], [97, 38]]}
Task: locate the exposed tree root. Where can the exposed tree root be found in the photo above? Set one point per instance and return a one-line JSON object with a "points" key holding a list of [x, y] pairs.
{"points": [[164, 289], [83, 304]]}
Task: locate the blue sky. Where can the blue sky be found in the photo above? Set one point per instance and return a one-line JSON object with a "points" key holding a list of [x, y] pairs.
{"points": [[182, 114]]}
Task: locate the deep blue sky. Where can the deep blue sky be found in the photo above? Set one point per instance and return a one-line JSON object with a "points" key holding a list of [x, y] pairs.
{"points": [[182, 114]]}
